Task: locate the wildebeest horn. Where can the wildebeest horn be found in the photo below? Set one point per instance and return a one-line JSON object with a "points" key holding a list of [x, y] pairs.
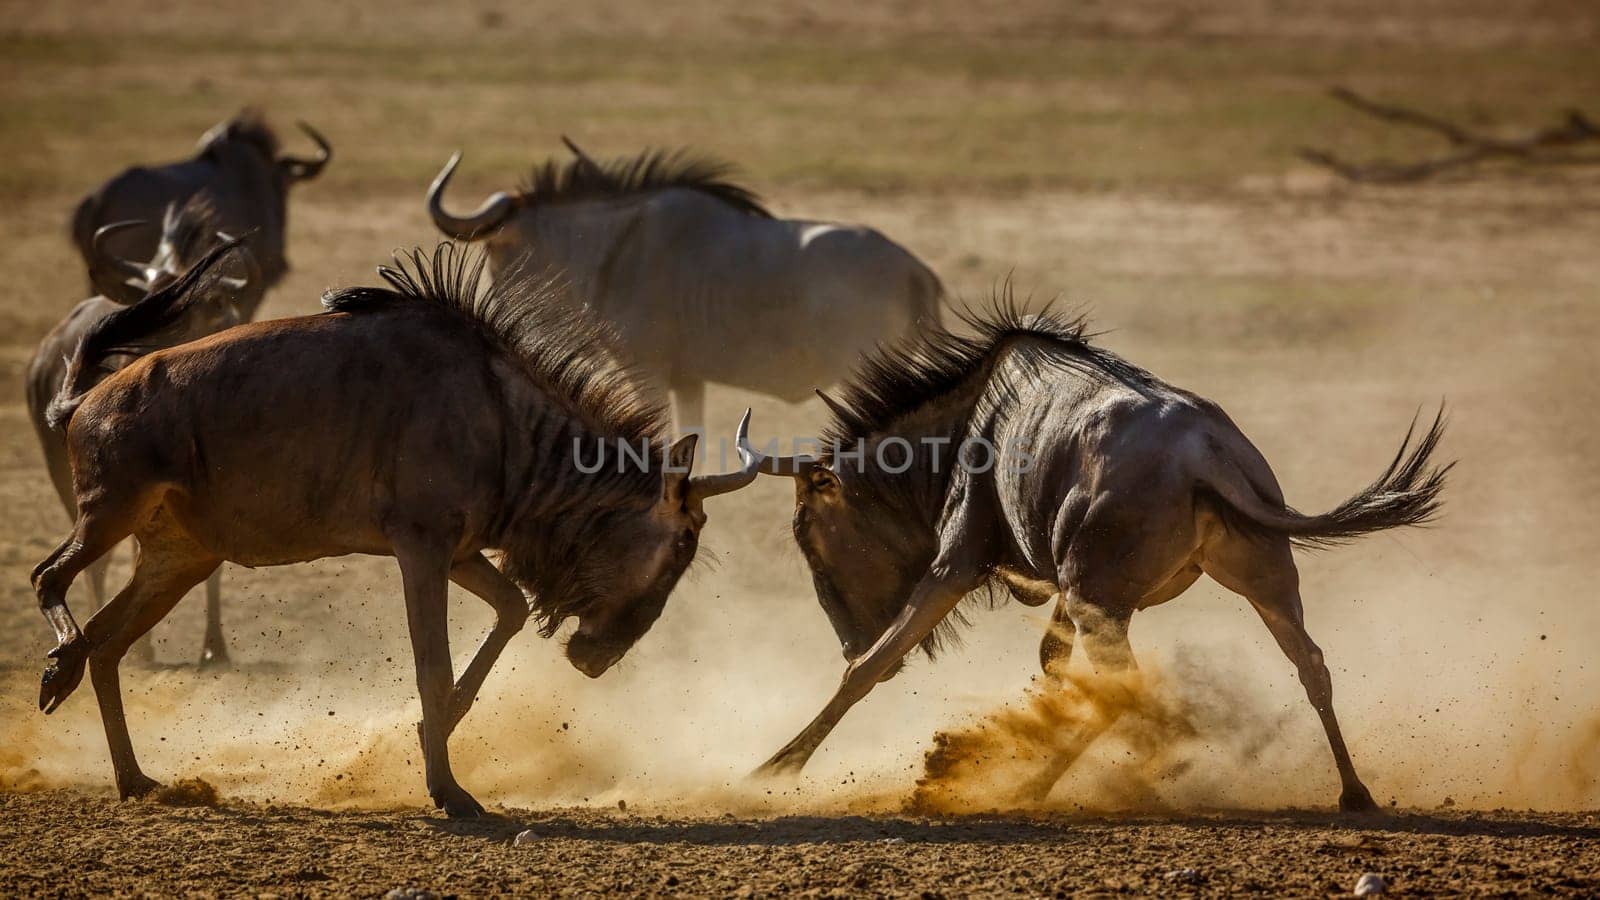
{"points": [[125, 266], [301, 169], [475, 224], [577, 151], [788, 465], [703, 486]]}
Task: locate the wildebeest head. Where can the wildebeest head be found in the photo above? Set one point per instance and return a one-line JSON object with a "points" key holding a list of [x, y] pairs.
{"points": [[864, 551], [249, 130], [609, 515], [625, 561], [187, 233]]}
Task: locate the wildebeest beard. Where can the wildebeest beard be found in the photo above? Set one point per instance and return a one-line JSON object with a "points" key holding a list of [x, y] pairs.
{"points": [[550, 558]]}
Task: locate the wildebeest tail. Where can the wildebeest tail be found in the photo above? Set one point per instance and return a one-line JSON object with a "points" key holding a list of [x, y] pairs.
{"points": [[130, 330], [1407, 493]]}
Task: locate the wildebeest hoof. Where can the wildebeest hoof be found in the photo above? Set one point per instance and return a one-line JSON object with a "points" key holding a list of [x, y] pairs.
{"points": [[136, 785], [1357, 800], [215, 658], [785, 765], [63, 673], [458, 804]]}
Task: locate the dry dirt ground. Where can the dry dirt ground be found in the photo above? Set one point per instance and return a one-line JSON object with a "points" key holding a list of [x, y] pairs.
{"points": [[1135, 158], [103, 846]]}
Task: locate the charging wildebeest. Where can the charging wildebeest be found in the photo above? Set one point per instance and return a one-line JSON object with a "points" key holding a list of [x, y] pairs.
{"points": [[238, 165], [699, 279], [184, 236], [428, 421], [1109, 491]]}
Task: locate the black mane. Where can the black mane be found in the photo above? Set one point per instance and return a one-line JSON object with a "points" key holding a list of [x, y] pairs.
{"points": [[652, 170], [567, 353], [900, 378]]}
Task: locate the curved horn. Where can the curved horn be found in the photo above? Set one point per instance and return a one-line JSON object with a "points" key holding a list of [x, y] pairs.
{"points": [[577, 151], [125, 266], [475, 224], [795, 466], [301, 169], [703, 486]]}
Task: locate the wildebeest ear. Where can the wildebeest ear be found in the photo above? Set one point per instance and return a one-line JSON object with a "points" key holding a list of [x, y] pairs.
{"points": [[680, 459]]}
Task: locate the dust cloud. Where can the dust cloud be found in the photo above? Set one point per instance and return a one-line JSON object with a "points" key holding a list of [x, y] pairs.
{"points": [[1461, 655]]}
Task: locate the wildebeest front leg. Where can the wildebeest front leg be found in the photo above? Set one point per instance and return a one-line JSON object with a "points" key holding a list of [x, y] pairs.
{"points": [[479, 576], [215, 650], [424, 568], [934, 596]]}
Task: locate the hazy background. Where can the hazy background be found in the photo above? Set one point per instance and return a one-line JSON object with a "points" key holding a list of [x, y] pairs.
{"points": [[1135, 158]]}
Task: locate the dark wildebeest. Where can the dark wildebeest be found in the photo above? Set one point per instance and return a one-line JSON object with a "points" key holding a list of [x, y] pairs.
{"points": [[238, 165], [184, 236], [427, 421], [1109, 491], [699, 279]]}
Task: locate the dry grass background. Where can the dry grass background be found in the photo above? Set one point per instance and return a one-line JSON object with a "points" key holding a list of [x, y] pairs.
{"points": [[1133, 157]]}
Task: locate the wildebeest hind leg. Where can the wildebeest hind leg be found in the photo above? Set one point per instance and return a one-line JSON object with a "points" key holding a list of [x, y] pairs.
{"points": [[166, 565], [1102, 629], [1263, 571], [94, 534], [1055, 649], [479, 576], [425, 568]]}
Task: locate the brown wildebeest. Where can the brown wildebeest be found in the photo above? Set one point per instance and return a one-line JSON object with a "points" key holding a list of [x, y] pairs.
{"points": [[700, 280], [238, 164], [1105, 489], [428, 421], [185, 235]]}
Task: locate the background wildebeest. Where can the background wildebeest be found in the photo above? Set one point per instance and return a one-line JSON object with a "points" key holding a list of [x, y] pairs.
{"points": [[1026, 456], [428, 421], [699, 279], [185, 234], [238, 165]]}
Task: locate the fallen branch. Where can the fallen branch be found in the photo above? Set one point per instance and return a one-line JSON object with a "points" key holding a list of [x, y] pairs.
{"points": [[1548, 146]]}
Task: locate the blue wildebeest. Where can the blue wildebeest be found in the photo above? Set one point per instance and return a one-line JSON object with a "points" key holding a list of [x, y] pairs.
{"points": [[1110, 491], [184, 236], [238, 165], [429, 421], [699, 279]]}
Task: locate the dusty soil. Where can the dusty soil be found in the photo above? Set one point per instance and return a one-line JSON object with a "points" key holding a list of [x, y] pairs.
{"points": [[1134, 158], [65, 842]]}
